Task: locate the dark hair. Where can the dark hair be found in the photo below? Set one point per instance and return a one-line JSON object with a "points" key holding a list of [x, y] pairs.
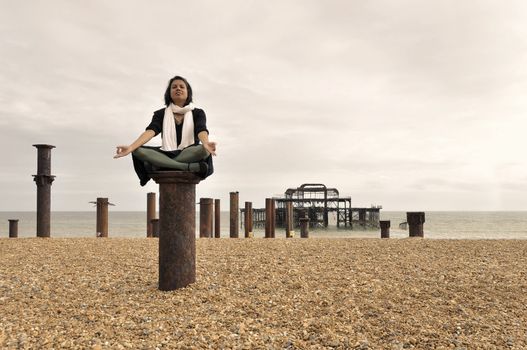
{"points": [[168, 99]]}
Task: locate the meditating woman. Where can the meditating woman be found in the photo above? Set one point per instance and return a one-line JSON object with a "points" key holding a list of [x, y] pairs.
{"points": [[182, 127]]}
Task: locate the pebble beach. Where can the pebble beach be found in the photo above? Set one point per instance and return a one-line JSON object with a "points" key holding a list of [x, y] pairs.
{"points": [[316, 293]]}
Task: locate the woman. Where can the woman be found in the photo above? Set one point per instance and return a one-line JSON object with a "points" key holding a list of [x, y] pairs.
{"points": [[182, 127]]}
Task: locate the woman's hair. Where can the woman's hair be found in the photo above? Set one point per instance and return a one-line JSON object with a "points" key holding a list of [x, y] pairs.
{"points": [[168, 99]]}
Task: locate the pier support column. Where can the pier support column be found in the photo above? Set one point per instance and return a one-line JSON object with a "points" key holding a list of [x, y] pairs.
{"points": [[415, 223], [289, 233], [304, 227], [248, 220], [235, 209], [205, 217], [217, 219], [385, 228], [155, 228], [102, 217], [43, 179], [177, 228], [13, 228], [150, 212], [270, 213]]}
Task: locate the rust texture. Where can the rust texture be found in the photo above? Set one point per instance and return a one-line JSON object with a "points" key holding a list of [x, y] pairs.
{"points": [[304, 227], [43, 180], [273, 218], [415, 223], [217, 219], [177, 227], [234, 213], [155, 227], [13, 228], [248, 226], [205, 217], [288, 219], [102, 217], [150, 212], [270, 213], [385, 228]]}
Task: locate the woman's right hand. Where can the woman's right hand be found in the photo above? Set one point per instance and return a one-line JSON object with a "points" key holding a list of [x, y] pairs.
{"points": [[122, 151]]}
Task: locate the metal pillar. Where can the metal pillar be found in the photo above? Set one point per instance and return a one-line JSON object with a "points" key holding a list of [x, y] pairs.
{"points": [[43, 179], [289, 220], [13, 228], [205, 217], [155, 228], [217, 219], [385, 228], [234, 229], [270, 214], [150, 212], [248, 220], [102, 217], [177, 227], [304, 227], [415, 223]]}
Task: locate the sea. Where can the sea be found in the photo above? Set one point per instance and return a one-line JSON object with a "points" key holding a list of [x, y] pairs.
{"points": [[438, 225]]}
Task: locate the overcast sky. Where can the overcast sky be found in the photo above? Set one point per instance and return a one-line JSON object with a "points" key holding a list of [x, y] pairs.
{"points": [[413, 105]]}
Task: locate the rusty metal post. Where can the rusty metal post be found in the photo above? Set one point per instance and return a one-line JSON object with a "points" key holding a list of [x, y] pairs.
{"points": [[273, 218], [205, 217], [247, 220], [43, 179], [217, 219], [177, 228], [13, 228], [415, 223], [268, 219], [289, 232], [102, 217], [385, 228], [150, 212], [251, 220], [304, 227], [234, 229], [155, 228]]}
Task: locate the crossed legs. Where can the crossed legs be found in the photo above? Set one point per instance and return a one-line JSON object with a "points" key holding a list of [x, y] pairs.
{"points": [[188, 159]]}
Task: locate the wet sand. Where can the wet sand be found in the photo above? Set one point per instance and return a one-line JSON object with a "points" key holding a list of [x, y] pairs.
{"points": [[266, 293]]}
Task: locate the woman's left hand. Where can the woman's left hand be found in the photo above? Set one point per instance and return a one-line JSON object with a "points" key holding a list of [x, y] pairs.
{"points": [[210, 147]]}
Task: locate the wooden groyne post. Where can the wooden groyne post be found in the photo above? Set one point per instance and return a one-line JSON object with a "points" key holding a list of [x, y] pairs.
{"points": [[234, 213], [248, 220], [385, 228], [177, 227], [43, 180], [270, 214], [150, 213], [304, 227], [217, 219], [205, 217], [415, 223], [13, 228]]}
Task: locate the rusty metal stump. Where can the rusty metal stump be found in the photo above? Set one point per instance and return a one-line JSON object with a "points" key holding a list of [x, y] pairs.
{"points": [[13, 228], [385, 228], [43, 180], [234, 210], [150, 212], [177, 228], [217, 218], [101, 225], [155, 228], [415, 223], [205, 217], [304, 227]]}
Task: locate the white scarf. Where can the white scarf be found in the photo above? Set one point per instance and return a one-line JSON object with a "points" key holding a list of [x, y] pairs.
{"points": [[169, 136]]}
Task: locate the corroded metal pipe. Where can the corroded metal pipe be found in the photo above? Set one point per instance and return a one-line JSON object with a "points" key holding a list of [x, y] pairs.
{"points": [[234, 229], [102, 217], [247, 220], [150, 212], [13, 228], [289, 220], [43, 180], [217, 219], [177, 228], [415, 223], [273, 217], [270, 213], [385, 228], [304, 227], [155, 228], [205, 217]]}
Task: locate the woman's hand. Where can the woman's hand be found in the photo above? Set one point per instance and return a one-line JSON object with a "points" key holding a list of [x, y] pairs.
{"points": [[122, 151], [210, 147]]}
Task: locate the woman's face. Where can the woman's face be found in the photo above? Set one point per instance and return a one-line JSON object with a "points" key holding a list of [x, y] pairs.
{"points": [[178, 92]]}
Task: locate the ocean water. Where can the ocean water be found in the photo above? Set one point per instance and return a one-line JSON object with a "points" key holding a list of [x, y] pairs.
{"points": [[438, 225]]}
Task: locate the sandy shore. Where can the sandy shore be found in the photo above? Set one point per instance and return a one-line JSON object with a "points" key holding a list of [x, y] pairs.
{"points": [[262, 293]]}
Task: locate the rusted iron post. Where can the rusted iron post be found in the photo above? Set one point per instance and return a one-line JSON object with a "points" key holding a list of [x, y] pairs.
{"points": [[234, 229], [289, 233], [102, 217], [155, 228], [43, 179], [177, 228], [205, 217], [415, 223], [247, 220], [217, 219], [385, 228], [150, 212], [251, 220], [13, 228], [304, 227], [270, 213], [273, 218]]}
